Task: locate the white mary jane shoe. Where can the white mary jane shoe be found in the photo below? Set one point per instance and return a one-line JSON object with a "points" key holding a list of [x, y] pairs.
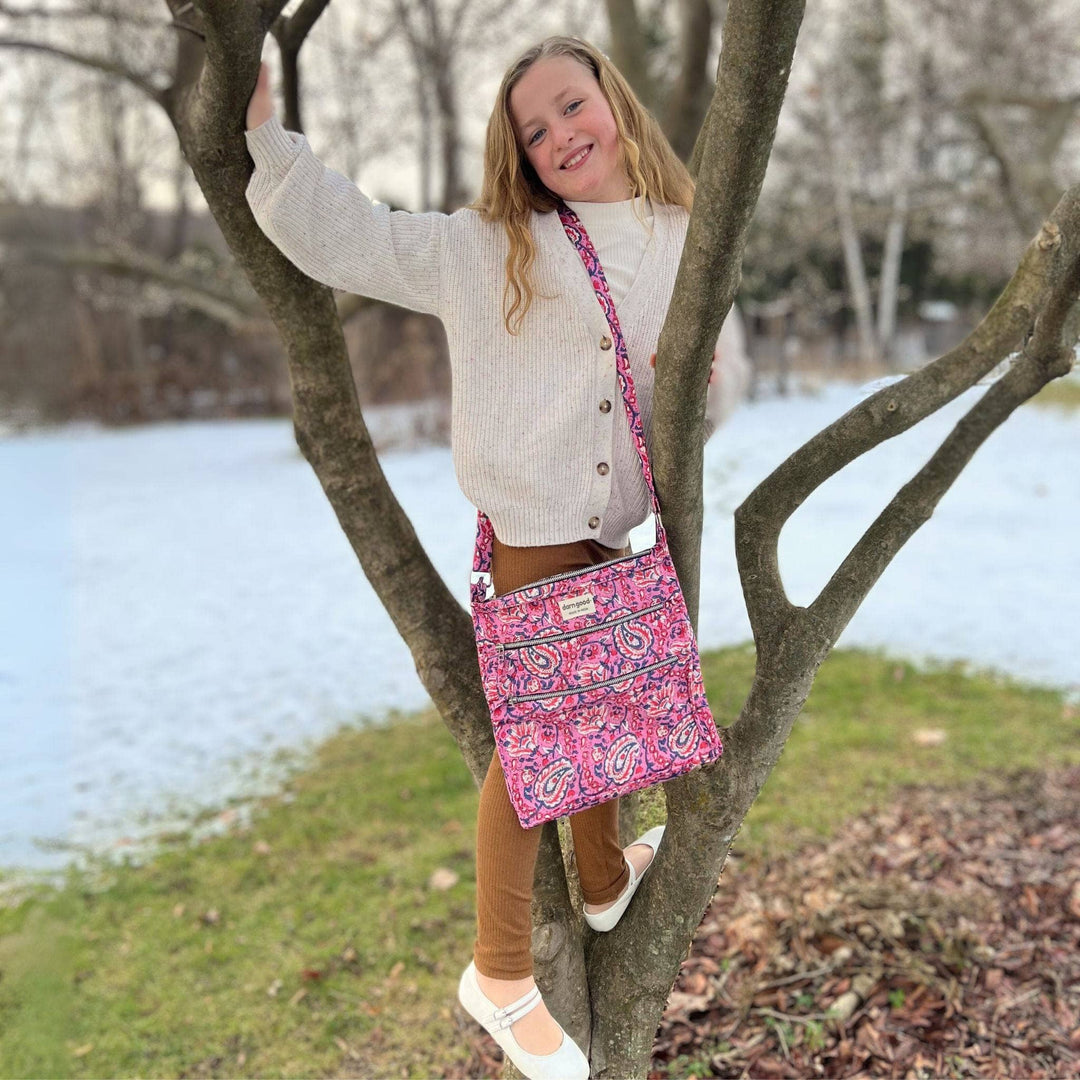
{"points": [[607, 919], [565, 1063]]}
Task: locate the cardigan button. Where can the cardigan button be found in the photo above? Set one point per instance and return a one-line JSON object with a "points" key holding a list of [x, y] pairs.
{"points": [[594, 522], [605, 405], [605, 342], [602, 468]]}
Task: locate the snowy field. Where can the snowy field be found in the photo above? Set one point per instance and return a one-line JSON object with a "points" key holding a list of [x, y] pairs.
{"points": [[179, 601]]}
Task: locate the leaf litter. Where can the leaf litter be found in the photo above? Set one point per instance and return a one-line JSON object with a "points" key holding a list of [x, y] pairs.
{"points": [[939, 936]]}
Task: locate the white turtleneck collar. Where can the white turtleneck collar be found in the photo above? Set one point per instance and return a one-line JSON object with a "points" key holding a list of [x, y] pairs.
{"points": [[609, 213], [619, 238]]}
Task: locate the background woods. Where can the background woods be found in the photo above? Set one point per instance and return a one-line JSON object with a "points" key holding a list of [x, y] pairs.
{"points": [[936, 136]]}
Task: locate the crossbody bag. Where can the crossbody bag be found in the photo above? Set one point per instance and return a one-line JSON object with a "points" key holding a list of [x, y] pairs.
{"points": [[592, 676]]}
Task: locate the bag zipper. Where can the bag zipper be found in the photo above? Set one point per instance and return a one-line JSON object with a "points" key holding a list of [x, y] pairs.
{"points": [[503, 646], [592, 686], [571, 573]]}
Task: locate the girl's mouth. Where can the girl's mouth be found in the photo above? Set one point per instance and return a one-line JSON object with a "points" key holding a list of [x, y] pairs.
{"points": [[577, 160]]}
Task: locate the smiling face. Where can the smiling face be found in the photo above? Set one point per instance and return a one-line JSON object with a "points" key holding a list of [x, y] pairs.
{"points": [[558, 109]]}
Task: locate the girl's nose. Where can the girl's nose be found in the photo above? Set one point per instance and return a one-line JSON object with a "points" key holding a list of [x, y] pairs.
{"points": [[565, 142]]}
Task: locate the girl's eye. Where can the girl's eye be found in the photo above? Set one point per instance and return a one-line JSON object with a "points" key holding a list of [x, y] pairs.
{"points": [[532, 138]]}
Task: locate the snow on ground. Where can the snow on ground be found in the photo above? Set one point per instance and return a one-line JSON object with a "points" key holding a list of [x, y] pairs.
{"points": [[179, 600]]}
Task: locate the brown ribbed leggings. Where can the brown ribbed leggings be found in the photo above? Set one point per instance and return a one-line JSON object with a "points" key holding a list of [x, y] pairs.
{"points": [[505, 852]]}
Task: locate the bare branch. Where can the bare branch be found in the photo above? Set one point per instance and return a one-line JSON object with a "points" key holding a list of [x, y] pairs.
{"points": [[991, 96], [233, 306], [1043, 283], [72, 14], [232, 301], [292, 31], [99, 63]]}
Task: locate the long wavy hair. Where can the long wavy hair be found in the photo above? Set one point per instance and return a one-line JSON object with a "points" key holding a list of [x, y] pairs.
{"points": [[512, 191]]}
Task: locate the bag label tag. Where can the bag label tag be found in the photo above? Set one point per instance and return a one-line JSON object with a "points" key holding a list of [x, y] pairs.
{"points": [[572, 606]]}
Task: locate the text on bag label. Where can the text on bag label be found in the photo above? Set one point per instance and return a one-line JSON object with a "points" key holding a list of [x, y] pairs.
{"points": [[572, 606]]}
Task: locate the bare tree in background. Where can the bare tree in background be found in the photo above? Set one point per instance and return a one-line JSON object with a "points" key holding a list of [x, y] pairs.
{"points": [[905, 106], [351, 56], [433, 36], [867, 115], [436, 35], [1021, 97], [663, 50], [609, 990]]}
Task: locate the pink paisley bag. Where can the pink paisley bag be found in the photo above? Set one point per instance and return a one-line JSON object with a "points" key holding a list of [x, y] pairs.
{"points": [[592, 676]]}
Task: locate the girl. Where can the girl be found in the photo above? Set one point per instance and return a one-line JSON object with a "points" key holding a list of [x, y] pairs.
{"points": [[540, 437]]}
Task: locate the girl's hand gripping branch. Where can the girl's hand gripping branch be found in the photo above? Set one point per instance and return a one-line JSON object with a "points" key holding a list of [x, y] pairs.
{"points": [[261, 106]]}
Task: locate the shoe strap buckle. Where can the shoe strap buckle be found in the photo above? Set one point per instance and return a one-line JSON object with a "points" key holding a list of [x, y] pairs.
{"points": [[512, 1013]]}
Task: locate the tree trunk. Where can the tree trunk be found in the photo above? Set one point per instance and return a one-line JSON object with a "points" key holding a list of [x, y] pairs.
{"points": [[904, 177], [854, 268]]}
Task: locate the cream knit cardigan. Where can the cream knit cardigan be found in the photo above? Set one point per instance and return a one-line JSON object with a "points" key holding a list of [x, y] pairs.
{"points": [[539, 434]]}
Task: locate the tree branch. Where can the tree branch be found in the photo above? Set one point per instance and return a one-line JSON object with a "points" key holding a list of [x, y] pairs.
{"points": [[89, 12], [1040, 277], [327, 419], [986, 95], [706, 805], [298, 25], [234, 304], [99, 63]]}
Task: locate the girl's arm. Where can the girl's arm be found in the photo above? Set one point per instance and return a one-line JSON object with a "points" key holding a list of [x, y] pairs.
{"points": [[729, 378], [324, 224], [731, 373]]}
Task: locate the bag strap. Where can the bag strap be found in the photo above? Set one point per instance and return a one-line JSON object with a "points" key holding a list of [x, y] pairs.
{"points": [[485, 533]]}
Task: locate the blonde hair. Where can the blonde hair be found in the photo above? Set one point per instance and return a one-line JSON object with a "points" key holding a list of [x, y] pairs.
{"points": [[512, 191]]}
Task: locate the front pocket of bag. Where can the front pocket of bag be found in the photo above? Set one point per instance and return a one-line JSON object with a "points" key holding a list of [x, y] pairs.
{"points": [[598, 657], [507, 647]]}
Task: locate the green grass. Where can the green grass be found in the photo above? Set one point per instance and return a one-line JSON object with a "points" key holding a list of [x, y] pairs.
{"points": [[858, 737], [280, 949]]}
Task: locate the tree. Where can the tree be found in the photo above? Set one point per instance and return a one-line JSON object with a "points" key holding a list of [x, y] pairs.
{"points": [[901, 106], [610, 990], [435, 39]]}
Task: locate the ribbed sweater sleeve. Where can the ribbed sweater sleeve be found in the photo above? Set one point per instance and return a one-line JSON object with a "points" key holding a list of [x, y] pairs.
{"points": [[325, 225]]}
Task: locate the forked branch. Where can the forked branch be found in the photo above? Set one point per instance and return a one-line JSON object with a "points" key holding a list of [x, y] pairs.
{"points": [[1035, 318]]}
